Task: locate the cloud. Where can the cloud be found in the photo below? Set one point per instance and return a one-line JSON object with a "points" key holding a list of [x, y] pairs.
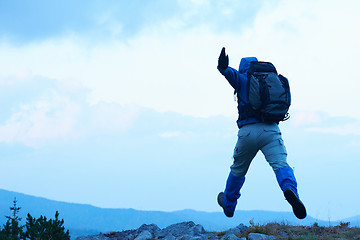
{"points": [[343, 129], [307, 118], [110, 118], [312, 42], [43, 109], [49, 110], [69, 136], [170, 63], [40, 20], [38, 111], [176, 72], [174, 69], [170, 134], [322, 122], [42, 120]]}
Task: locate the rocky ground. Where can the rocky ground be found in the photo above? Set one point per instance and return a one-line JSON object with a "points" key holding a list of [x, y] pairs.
{"points": [[192, 231], [179, 231]]}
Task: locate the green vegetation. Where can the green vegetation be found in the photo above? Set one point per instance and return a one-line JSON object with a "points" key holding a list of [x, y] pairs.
{"points": [[34, 229]]}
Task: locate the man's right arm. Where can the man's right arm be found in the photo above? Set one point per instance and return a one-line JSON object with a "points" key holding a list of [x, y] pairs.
{"points": [[232, 75]]}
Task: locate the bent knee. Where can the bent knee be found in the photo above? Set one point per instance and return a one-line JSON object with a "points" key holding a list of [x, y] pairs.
{"points": [[277, 165], [238, 172]]}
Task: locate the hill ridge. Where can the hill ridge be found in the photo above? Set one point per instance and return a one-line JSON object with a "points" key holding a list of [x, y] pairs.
{"points": [[85, 219]]}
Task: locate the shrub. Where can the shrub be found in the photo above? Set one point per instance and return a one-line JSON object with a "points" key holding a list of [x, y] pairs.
{"points": [[36, 229]]}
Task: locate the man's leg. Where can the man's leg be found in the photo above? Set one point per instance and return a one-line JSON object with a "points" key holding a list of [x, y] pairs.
{"points": [[245, 151], [287, 182], [275, 153], [228, 199], [286, 179]]}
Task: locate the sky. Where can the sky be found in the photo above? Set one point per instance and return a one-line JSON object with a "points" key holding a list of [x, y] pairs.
{"points": [[119, 104]]}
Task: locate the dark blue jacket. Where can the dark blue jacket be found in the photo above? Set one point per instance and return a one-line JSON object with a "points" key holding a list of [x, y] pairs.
{"points": [[239, 81]]}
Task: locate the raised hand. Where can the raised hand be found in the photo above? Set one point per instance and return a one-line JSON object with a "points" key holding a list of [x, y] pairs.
{"points": [[223, 61]]}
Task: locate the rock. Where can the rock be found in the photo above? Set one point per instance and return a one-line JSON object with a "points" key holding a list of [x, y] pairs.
{"points": [[211, 236], [191, 237], [233, 231], [237, 230], [95, 237], [242, 228], [229, 236], [161, 234], [152, 228], [168, 237], [198, 229], [179, 231], [124, 235], [144, 235], [260, 236], [182, 229], [284, 234]]}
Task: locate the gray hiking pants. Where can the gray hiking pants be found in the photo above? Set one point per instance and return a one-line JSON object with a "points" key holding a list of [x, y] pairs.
{"points": [[254, 137]]}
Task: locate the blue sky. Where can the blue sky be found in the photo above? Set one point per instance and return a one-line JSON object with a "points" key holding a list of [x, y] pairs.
{"points": [[40, 19], [119, 103]]}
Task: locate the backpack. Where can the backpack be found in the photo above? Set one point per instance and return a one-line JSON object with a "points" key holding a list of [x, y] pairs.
{"points": [[268, 93]]}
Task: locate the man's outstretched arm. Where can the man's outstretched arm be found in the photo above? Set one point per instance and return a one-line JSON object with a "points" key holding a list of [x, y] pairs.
{"points": [[231, 74]]}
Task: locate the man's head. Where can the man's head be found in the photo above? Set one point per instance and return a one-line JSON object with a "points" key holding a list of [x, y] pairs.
{"points": [[245, 63]]}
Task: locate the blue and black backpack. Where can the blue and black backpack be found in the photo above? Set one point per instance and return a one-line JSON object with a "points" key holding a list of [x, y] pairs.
{"points": [[268, 93]]}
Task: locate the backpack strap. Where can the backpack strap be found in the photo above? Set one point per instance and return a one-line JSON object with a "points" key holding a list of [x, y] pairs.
{"points": [[245, 110]]}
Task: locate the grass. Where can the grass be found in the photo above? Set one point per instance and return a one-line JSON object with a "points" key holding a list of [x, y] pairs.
{"points": [[314, 232]]}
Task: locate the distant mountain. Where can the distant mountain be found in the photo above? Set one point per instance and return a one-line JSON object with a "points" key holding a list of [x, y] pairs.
{"points": [[82, 219]]}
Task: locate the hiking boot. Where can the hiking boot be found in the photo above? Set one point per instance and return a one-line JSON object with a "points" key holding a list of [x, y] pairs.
{"points": [[220, 200], [297, 206]]}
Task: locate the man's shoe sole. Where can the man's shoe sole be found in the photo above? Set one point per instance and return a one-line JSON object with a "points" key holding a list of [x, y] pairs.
{"points": [[220, 200], [297, 206]]}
